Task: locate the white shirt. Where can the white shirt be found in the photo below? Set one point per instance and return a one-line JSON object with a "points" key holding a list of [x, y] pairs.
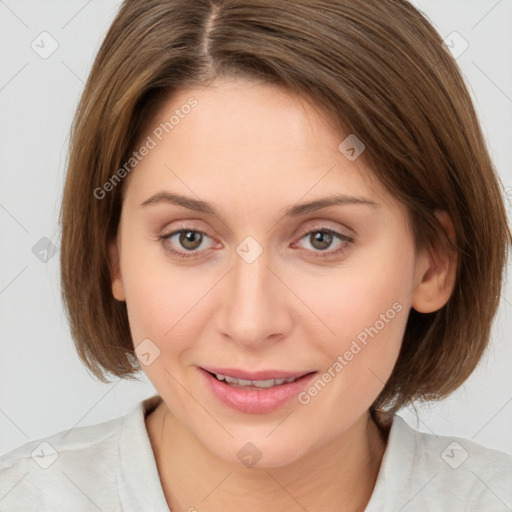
{"points": [[110, 467]]}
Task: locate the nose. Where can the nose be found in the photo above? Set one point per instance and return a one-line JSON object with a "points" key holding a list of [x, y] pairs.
{"points": [[256, 307]]}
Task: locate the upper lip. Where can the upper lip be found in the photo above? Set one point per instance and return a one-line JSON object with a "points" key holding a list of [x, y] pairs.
{"points": [[259, 375]]}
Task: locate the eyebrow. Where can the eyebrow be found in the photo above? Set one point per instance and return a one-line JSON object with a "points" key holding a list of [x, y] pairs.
{"points": [[294, 211]]}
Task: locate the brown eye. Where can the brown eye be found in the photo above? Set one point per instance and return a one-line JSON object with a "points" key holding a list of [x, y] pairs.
{"points": [[190, 240], [321, 240], [322, 243], [187, 243]]}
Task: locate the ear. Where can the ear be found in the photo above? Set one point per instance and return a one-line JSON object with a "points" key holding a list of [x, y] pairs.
{"points": [[436, 272], [117, 282]]}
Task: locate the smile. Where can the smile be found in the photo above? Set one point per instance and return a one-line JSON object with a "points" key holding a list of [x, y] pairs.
{"points": [[269, 383], [255, 392]]}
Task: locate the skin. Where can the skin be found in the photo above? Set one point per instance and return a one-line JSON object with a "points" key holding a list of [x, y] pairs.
{"points": [[253, 150]]}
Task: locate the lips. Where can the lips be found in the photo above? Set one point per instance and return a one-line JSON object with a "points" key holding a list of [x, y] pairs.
{"points": [[255, 392]]}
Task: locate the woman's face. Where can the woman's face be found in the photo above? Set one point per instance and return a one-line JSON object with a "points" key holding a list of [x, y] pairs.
{"points": [[241, 277]]}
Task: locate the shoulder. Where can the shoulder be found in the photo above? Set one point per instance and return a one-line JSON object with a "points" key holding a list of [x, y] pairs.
{"points": [[63, 469], [424, 471]]}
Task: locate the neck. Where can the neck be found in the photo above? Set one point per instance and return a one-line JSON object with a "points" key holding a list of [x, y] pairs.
{"points": [[338, 476]]}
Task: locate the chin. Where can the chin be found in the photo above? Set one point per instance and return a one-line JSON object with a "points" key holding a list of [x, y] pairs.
{"points": [[258, 451]]}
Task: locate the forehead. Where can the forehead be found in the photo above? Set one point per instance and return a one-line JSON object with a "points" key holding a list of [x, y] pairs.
{"points": [[246, 139]]}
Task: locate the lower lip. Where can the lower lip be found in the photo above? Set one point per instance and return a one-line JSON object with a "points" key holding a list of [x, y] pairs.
{"points": [[256, 401]]}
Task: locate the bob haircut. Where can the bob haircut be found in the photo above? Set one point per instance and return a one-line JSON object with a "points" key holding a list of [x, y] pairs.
{"points": [[379, 70]]}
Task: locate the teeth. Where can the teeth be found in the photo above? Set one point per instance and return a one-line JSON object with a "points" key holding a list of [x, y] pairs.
{"points": [[257, 383]]}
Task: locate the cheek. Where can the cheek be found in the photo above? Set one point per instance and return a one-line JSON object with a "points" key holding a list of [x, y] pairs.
{"points": [[166, 303], [364, 309], [368, 320]]}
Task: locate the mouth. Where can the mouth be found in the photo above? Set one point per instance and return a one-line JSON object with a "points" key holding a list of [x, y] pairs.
{"points": [[255, 392], [260, 380]]}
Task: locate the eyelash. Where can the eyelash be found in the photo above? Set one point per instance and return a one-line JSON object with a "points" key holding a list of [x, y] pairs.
{"points": [[346, 240]]}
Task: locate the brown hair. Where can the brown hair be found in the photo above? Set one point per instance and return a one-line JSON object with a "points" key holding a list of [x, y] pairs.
{"points": [[380, 70]]}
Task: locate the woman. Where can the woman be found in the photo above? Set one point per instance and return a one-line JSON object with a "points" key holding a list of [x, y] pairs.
{"points": [[285, 214]]}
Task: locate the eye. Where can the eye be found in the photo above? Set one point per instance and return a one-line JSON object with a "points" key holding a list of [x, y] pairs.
{"points": [[322, 239], [187, 243], [185, 240]]}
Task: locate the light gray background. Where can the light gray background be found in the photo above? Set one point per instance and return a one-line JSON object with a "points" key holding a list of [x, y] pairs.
{"points": [[43, 386]]}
